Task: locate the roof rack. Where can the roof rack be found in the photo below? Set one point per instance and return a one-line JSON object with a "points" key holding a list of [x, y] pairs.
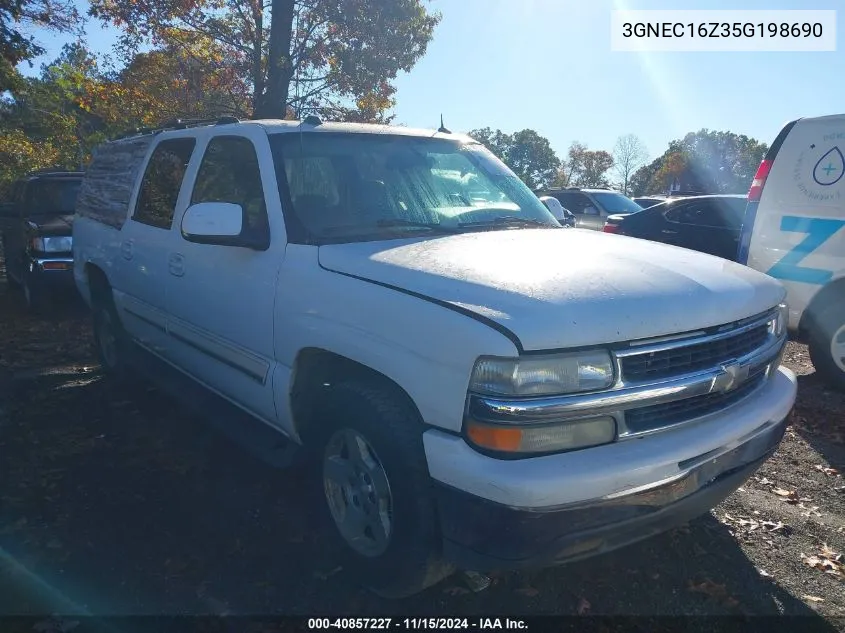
{"points": [[176, 124], [57, 171]]}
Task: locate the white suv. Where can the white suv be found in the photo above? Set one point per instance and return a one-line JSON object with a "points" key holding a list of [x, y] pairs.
{"points": [[481, 388]]}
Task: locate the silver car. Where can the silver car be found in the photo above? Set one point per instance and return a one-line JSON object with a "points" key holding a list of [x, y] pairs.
{"points": [[591, 207]]}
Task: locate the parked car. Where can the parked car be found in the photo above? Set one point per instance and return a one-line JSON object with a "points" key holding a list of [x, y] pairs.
{"points": [[563, 216], [479, 387], [710, 224], [794, 230], [35, 228], [592, 206], [647, 202]]}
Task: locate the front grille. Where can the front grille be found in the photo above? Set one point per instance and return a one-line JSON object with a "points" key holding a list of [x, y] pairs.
{"points": [[691, 358], [663, 415]]}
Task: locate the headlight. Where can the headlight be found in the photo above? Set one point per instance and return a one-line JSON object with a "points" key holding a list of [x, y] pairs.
{"points": [[546, 438], [544, 375], [52, 244], [780, 323]]}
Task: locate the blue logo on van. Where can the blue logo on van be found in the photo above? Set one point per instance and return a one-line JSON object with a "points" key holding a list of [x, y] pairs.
{"points": [[830, 168], [819, 231]]}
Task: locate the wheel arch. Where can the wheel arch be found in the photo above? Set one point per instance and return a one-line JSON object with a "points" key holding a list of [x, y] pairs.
{"points": [[825, 297], [315, 370]]}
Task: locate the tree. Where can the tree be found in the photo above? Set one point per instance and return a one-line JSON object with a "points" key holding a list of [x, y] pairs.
{"points": [[48, 122], [337, 58], [629, 154], [723, 162], [643, 179], [706, 161], [585, 168], [17, 17], [529, 155], [193, 81]]}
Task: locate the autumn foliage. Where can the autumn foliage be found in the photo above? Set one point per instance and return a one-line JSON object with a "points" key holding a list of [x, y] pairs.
{"points": [[197, 59]]}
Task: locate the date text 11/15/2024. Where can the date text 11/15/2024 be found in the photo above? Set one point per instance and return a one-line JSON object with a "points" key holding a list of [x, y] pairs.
{"points": [[416, 624]]}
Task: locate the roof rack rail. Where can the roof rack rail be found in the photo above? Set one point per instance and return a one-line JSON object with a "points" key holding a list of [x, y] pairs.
{"points": [[176, 124], [53, 170]]}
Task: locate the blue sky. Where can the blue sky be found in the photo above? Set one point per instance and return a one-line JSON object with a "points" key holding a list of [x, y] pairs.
{"points": [[547, 65]]}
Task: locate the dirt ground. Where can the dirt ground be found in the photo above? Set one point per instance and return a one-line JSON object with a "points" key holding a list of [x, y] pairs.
{"points": [[122, 502]]}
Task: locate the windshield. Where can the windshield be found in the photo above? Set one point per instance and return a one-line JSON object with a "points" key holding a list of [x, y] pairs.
{"points": [[52, 196], [354, 187], [616, 203]]}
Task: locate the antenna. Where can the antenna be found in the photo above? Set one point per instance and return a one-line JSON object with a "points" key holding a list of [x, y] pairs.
{"points": [[442, 129]]}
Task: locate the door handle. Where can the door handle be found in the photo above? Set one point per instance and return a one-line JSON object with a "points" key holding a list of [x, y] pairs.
{"points": [[668, 232], [126, 249], [176, 265]]}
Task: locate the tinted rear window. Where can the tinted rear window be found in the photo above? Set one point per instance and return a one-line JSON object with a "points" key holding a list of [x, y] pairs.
{"points": [[52, 196], [616, 203]]}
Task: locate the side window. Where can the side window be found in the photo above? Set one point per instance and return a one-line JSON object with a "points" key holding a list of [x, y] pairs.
{"points": [[696, 213], [731, 213], [575, 202], [162, 182], [229, 172]]}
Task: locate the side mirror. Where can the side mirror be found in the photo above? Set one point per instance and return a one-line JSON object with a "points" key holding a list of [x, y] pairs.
{"points": [[220, 223]]}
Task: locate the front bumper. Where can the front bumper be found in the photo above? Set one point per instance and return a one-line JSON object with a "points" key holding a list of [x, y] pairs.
{"points": [[550, 510]]}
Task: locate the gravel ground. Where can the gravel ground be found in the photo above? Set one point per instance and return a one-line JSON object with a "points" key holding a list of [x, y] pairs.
{"points": [[121, 502]]}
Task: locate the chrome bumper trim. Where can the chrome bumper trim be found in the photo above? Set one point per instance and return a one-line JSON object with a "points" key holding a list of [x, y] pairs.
{"points": [[561, 408], [40, 261]]}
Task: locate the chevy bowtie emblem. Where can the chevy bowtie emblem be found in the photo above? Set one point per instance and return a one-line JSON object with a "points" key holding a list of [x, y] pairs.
{"points": [[732, 376]]}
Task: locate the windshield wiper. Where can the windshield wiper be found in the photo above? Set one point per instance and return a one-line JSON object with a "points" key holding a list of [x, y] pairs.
{"points": [[508, 220], [434, 226]]}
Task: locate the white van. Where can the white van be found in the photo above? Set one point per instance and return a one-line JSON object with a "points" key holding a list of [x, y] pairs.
{"points": [[794, 230]]}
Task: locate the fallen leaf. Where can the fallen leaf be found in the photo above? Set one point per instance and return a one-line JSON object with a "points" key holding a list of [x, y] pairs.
{"points": [[827, 561], [763, 573], [456, 591], [715, 591], [812, 598], [830, 472], [328, 574], [771, 526], [830, 554], [583, 606], [787, 494], [530, 592], [709, 588], [765, 482]]}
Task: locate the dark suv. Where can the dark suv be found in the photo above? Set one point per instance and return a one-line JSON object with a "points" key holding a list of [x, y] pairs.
{"points": [[35, 229]]}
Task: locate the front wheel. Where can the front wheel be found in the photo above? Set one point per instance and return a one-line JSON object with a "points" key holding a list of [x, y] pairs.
{"points": [[827, 344], [377, 490]]}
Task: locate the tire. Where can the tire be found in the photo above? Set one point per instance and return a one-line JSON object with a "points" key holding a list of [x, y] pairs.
{"points": [[110, 339], [827, 343], [408, 560], [10, 281], [37, 300]]}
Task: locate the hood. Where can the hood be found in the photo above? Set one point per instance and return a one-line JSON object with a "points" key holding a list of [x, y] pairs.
{"points": [[556, 289], [57, 224]]}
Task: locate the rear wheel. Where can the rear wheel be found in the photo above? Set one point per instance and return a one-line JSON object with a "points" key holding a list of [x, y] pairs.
{"points": [[38, 301], [827, 343], [10, 281], [375, 479], [110, 339]]}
